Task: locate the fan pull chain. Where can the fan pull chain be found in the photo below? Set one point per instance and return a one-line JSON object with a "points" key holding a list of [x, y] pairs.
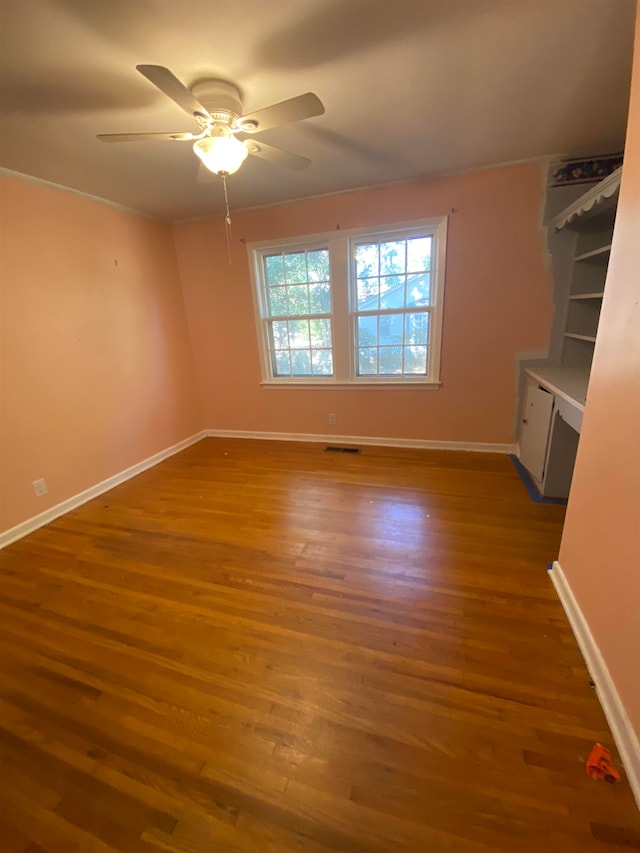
{"points": [[227, 218]]}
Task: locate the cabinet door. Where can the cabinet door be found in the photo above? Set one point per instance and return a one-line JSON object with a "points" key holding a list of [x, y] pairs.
{"points": [[534, 432]]}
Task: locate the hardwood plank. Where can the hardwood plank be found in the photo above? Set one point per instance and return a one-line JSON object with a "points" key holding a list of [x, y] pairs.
{"points": [[259, 646]]}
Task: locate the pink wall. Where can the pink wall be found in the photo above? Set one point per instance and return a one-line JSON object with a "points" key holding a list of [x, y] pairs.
{"points": [[97, 369], [600, 552], [498, 302]]}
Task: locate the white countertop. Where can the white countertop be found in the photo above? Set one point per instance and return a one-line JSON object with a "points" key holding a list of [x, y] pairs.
{"points": [[570, 383]]}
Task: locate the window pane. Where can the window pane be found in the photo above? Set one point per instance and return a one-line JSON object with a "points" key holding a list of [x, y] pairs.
{"points": [[367, 331], [392, 291], [318, 265], [391, 329], [295, 267], [416, 328], [393, 257], [274, 270], [368, 294], [419, 254], [415, 360], [320, 298], [277, 301], [320, 333], [301, 363], [367, 260], [283, 364], [367, 362], [298, 299], [322, 362], [390, 360], [280, 334], [299, 334], [298, 283], [419, 289]]}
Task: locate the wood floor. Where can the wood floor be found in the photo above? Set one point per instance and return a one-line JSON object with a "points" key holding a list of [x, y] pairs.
{"points": [[264, 647]]}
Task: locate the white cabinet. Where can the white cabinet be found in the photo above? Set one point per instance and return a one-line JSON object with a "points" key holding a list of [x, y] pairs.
{"points": [[534, 435], [551, 421]]}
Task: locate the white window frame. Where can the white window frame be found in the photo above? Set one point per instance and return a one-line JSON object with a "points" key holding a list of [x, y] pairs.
{"points": [[343, 316]]}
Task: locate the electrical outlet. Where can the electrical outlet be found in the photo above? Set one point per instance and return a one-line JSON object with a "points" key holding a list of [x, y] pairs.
{"points": [[40, 488], [332, 419]]}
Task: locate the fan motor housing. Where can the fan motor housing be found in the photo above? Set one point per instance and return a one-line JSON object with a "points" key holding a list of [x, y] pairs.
{"points": [[222, 99]]}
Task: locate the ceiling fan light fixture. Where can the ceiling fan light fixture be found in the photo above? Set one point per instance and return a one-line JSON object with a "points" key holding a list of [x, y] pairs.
{"points": [[221, 154]]}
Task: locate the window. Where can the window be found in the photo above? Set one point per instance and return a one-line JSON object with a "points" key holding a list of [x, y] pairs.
{"points": [[357, 307]]}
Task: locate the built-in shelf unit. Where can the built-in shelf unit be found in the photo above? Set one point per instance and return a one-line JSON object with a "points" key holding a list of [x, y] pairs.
{"points": [[587, 230], [555, 393]]}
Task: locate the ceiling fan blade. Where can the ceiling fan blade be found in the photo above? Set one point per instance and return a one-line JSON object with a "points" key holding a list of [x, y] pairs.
{"points": [[294, 109], [144, 137], [173, 88], [277, 155]]}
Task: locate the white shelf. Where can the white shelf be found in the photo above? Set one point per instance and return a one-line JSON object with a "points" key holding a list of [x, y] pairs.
{"points": [[601, 254], [570, 383], [590, 338], [587, 295]]}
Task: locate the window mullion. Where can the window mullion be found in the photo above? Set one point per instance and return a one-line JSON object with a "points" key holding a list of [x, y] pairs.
{"points": [[277, 317], [342, 332], [381, 312]]}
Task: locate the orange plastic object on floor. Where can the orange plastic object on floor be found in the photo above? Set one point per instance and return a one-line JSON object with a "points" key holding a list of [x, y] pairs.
{"points": [[600, 766]]}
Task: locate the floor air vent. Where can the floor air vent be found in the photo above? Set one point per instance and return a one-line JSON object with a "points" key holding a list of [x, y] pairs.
{"points": [[332, 448]]}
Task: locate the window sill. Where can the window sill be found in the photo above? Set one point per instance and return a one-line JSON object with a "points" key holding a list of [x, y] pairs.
{"points": [[355, 385]]}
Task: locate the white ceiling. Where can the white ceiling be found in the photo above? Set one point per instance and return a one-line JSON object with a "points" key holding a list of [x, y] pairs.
{"points": [[410, 87]]}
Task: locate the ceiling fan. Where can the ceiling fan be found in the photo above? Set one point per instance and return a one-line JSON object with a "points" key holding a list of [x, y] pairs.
{"points": [[224, 141]]}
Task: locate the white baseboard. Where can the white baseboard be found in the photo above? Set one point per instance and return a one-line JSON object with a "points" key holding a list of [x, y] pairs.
{"points": [[623, 732], [424, 444], [31, 524]]}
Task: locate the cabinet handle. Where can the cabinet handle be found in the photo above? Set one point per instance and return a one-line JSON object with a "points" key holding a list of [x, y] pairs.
{"points": [[525, 421]]}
